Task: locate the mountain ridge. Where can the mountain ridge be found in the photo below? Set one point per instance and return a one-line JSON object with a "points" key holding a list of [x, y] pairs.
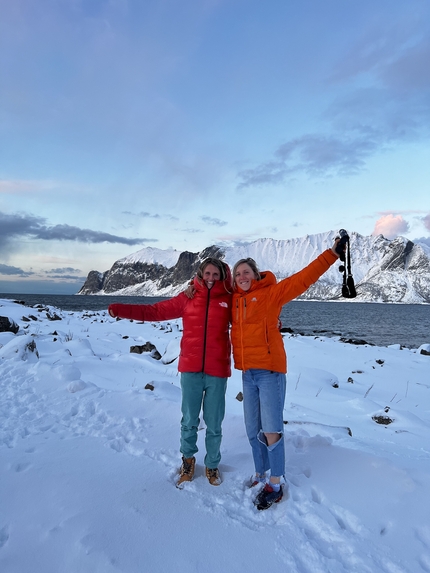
{"points": [[384, 270]]}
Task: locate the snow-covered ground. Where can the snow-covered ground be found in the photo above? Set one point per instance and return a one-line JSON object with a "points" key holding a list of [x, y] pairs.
{"points": [[88, 458]]}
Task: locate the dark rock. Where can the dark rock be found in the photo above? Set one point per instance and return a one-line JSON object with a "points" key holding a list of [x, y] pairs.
{"points": [[31, 346], [239, 397], [425, 352], [384, 420], [149, 387], [147, 347], [8, 325], [94, 283], [287, 329], [357, 341], [53, 316]]}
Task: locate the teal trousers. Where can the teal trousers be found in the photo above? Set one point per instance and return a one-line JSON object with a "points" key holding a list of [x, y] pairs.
{"points": [[207, 393]]}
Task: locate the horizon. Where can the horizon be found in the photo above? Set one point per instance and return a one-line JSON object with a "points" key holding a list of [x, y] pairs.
{"points": [[55, 288]]}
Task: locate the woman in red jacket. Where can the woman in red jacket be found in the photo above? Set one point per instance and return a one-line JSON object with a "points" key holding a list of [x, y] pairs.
{"points": [[204, 361], [258, 350]]}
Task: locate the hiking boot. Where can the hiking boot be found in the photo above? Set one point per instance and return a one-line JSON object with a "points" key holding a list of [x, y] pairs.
{"points": [[186, 472], [213, 476], [267, 497]]}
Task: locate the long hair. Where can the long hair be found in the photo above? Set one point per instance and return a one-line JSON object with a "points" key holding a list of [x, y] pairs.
{"points": [[253, 266], [220, 265]]}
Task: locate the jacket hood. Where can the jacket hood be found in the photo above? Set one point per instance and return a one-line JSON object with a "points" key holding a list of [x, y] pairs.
{"points": [[267, 279], [219, 286]]}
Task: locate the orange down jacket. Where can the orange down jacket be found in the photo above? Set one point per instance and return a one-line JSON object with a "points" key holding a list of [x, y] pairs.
{"points": [[205, 343], [257, 342]]}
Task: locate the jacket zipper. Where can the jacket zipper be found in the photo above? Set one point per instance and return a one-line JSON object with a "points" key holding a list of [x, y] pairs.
{"points": [[242, 311], [206, 329], [267, 336]]}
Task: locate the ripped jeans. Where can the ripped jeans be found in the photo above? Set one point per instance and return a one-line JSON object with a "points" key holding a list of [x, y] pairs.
{"points": [[263, 406]]}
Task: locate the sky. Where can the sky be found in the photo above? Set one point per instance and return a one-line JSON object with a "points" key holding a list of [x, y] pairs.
{"points": [[182, 124], [89, 457]]}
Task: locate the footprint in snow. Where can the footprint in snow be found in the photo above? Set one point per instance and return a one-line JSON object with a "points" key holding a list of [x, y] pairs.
{"points": [[20, 467], [4, 536]]}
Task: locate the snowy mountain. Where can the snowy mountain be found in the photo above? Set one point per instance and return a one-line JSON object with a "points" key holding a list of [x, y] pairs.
{"points": [[384, 270]]}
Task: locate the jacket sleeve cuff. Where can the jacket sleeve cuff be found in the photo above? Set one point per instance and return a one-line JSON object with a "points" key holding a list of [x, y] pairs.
{"points": [[330, 256]]}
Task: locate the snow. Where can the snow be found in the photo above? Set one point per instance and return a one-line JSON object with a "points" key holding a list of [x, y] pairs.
{"points": [[151, 255], [88, 457], [383, 270]]}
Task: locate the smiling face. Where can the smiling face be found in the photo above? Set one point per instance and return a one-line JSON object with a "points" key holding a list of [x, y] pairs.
{"points": [[210, 275], [244, 275]]}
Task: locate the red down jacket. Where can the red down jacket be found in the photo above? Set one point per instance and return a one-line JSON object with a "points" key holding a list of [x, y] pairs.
{"points": [[205, 344]]}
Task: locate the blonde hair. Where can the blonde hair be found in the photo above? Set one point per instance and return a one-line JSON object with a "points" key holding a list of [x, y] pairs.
{"points": [[250, 262]]}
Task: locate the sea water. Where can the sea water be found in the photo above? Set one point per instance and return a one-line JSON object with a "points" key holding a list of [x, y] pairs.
{"points": [[382, 324]]}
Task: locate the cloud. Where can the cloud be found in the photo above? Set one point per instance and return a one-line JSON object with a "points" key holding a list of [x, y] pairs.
{"points": [[65, 273], [10, 271], [213, 221], [145, 215], [70, 278], [426, 221], [314, 155], [63, 270], [393, 107], [16, 225], [390, 226], [423, 240]]}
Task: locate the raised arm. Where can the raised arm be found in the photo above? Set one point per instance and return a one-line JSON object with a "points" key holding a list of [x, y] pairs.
{"points": [[295, 285], [164, 310]]}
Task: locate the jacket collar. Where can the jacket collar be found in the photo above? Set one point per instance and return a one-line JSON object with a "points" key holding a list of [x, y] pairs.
{"points": [[267, 279]]}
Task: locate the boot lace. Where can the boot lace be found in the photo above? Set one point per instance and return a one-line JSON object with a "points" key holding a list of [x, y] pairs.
{"points": [[187, 467]]}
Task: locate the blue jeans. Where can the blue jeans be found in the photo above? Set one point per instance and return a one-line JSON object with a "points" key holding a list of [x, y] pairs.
{"points": [[201, 391], [263, 405]]}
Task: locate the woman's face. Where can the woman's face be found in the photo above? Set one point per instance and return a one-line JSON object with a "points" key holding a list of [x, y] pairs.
{"points": [[244, 276], [210, 275]]}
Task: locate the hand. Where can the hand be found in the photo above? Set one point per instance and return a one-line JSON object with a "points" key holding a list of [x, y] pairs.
{"points": [[336, 242], [112, 310], [189, 292]]}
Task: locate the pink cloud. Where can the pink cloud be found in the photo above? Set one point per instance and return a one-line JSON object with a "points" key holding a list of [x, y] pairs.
{"points": [[391, 226]]}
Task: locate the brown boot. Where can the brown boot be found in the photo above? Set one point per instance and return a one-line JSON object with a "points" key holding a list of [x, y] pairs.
{"points": [[213, 476], [186, 472]]}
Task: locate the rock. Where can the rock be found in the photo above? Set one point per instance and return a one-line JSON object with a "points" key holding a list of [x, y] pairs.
{"points": [[384, 420], [356, 341], [147, 347], [8, 325]]}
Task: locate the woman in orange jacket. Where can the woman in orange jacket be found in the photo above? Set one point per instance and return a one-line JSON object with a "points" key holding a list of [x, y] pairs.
{"points": [[258, 350]]}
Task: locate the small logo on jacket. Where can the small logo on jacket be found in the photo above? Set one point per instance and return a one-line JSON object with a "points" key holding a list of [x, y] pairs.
{"points": [[253, 299], [224, 304]]}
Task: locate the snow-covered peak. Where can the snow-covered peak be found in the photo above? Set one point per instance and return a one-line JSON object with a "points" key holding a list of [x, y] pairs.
{"points": [[151, 255]]}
